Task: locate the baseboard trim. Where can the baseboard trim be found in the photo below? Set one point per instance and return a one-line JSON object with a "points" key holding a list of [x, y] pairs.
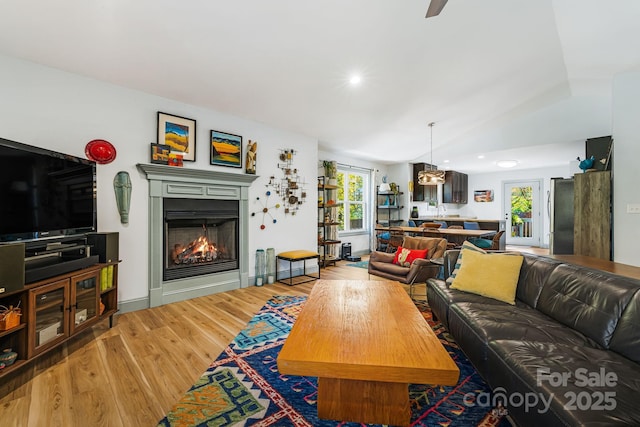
{"points": [[133, 305]]}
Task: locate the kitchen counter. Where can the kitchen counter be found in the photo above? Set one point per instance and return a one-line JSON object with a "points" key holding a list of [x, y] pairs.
{"points": [[453, 218], [485, 224]]}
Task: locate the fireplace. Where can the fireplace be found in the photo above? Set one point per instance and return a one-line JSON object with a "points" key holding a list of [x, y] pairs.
{"points": [[198, 232], [201, 237]]}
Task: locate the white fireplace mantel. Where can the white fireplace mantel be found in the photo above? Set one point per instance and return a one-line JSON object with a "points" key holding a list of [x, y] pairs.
{"points": [[178, 182]]}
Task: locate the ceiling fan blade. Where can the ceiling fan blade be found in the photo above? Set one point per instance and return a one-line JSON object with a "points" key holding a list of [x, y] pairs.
{"points": [[435, 7]]}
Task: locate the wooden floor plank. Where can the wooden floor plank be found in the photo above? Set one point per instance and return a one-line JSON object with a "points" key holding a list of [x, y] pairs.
{"points": [[133, 373]]}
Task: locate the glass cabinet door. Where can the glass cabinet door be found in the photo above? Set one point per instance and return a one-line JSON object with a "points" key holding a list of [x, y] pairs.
{"points": [[85, 289], [50, 326]]}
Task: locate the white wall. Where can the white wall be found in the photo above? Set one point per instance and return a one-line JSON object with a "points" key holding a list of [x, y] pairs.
{"points": [[61, 111], [495, 181], [626, 171]]}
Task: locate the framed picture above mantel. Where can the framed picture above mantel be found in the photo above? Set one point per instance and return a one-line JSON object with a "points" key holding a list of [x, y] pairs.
{"points": [[179, 133], [226, 149]]}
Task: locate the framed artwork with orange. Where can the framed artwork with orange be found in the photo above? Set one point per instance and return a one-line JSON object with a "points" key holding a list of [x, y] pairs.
{"points": [[179, 133]]}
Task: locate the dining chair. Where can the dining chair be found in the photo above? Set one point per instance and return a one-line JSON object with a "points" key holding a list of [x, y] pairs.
{"points": [[471, 225], [382, 241], [443, 224], [492, 244], [411, 223], [455, 241], [395, 239], [430, 225]]}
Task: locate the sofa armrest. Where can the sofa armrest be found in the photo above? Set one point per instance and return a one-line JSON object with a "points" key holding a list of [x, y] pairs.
{"points": [[377, 256], [422, 269], [450, 259]]}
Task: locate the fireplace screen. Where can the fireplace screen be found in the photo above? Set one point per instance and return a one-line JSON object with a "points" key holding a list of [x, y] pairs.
{"points": [[201, 237]]}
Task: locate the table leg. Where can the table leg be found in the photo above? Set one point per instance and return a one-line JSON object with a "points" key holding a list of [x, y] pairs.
{"points": [[370, 402]]}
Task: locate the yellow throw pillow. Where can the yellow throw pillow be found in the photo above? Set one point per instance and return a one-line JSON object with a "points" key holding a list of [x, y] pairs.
{"points": [[490, 275], [466, 246]]}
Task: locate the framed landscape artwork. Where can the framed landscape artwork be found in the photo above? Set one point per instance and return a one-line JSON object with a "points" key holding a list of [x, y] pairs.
{"points": [[179, 133], [483, 195], [226, 149]]}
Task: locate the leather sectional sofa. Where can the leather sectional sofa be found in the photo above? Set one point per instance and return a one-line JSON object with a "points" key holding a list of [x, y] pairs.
{"points": [[566, 354]]}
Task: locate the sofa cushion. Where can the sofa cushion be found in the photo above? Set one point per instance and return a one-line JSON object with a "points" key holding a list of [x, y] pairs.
{"points": [[626, 338], [587, 300], [490, 275], [474, 325], [516, 371], [466, 246], [391, 268], [405, 257], [534, 273], [435, 245], [441, 297]]}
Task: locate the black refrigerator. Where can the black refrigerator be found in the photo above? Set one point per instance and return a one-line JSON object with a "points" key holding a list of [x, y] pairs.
{"points": [[560, 205]]}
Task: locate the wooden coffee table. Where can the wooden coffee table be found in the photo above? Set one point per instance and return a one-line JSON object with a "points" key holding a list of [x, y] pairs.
{"points": [[365, 341]]}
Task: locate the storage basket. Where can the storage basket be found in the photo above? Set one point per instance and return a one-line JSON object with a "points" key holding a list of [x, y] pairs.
{"points": [[9, 317]]}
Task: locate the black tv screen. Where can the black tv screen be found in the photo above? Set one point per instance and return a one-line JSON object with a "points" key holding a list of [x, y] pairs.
{"points": [[44, 194]]}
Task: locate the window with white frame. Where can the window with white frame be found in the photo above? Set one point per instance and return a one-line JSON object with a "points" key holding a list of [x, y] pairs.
{"points": [[353, 185]]}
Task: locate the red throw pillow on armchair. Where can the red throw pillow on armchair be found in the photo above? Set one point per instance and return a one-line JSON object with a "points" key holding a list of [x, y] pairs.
{"points": [[405, 257]]}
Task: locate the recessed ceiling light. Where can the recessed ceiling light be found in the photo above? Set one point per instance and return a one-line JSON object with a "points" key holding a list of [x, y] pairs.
{"points": [[481, 156], [355, 80], [445, 161], [507, 163]]}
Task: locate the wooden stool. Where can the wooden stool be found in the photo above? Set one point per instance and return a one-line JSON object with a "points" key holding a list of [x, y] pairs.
{"points": [[294, 256]]}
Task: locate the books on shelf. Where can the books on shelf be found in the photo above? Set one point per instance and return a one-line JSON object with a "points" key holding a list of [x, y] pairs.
{"points": [[106, 278]]}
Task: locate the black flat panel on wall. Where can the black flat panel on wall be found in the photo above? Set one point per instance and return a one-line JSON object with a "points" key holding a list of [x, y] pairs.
{"points": [[11, 267], [105, 245], [601, 149]]}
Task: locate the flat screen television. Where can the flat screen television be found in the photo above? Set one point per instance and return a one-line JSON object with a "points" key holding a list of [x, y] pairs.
{"points": [[44, 194]]}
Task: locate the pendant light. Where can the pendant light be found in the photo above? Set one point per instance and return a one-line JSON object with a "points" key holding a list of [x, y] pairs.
{"points": [[431, 176]]}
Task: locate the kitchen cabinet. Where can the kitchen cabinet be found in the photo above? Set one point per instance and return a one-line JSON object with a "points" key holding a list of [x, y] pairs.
{"points": [[592, 214], [455, 188], [423, 193]]}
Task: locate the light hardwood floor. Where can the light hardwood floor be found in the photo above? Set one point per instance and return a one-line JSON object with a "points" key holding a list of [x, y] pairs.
{"points": [[133, 373]]}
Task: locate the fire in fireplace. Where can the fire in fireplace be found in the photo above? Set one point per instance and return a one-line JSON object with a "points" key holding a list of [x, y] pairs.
{"points": [[201, 237], [198, 250]]}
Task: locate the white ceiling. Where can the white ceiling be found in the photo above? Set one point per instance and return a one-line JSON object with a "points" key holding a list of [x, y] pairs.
{"points": [[495, 75]]}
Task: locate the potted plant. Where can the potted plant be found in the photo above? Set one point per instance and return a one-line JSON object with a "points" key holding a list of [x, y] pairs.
{"points": [[330, 171]]}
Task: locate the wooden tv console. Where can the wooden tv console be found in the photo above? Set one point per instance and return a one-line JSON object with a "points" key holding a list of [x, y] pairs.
{"points": [[56, 309]]}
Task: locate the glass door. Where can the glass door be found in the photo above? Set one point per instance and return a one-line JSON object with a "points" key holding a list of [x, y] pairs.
{"points": [[48, 308], [84, 299], [522, 212]]}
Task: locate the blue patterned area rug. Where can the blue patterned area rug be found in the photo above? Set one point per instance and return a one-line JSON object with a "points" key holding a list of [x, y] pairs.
{"points": [[243, 387], [359, 264]]}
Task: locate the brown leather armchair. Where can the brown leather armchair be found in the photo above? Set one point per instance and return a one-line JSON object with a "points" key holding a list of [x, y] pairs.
{"points": [[381, 263]]}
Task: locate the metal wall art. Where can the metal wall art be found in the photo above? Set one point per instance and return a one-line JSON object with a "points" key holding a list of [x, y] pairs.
{"points": [[290, 187], [266, 210]]}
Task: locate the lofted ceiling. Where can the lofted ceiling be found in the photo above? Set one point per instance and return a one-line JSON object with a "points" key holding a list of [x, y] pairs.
{"points": [[528, 80]]}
